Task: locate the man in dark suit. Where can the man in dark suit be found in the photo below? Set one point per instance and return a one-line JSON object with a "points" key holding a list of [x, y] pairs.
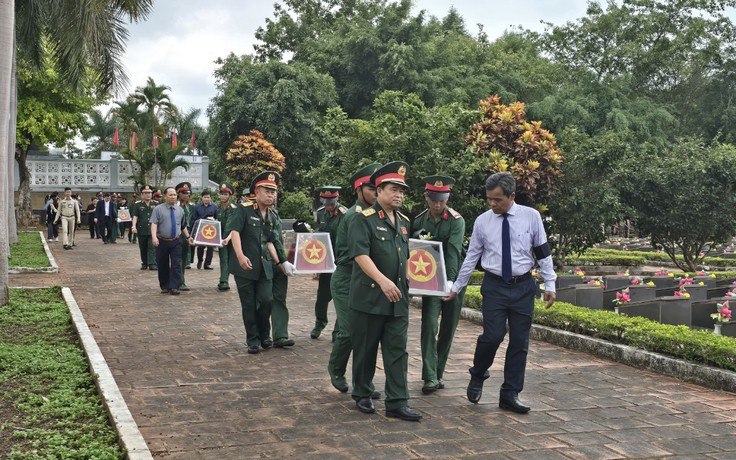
{"points": [[105, 217]]}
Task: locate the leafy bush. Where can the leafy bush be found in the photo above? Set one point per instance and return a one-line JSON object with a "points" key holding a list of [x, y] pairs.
{"points": [[604, 256], [296, 205], [698, 346]]}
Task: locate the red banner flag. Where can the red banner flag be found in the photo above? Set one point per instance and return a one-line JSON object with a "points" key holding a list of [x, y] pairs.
{"points": [[174, 142], [191, 141], [116, 139], [133, 140]]}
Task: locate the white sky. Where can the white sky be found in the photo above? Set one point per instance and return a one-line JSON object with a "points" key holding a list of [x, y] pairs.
{"points": [[181, 39]]}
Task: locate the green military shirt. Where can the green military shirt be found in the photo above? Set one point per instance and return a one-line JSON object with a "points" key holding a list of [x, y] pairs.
{"points": [[342, 254], [188, 211], [373, 235], [222, 215], [450, 230], [279, 241], [143, 212], [255, 233], [329, 221]]}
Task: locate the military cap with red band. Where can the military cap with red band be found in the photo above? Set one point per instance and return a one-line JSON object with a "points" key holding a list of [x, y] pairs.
{"points": [[438, 187], [329, 191], [363, 175], [146, 188], [267, 179], [183, 187], [392, 173], [226, 188]]}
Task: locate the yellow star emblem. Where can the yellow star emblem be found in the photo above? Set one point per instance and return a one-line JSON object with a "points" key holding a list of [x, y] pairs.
{"points": [[420, 266], [313, 252]]}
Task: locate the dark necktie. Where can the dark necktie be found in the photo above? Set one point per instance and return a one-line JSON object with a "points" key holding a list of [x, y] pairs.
{"points": [[506, 249], [173, 223]]}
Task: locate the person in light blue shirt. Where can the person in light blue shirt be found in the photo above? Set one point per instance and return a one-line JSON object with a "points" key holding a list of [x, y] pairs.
{"points": [[506, 239]]}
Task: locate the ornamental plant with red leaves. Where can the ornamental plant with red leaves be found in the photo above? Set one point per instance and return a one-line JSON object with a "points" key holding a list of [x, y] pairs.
{"points": [[250, 155]]}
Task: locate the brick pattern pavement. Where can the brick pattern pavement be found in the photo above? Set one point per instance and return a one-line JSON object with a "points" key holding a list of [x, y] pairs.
{"points": [[182, 366]]}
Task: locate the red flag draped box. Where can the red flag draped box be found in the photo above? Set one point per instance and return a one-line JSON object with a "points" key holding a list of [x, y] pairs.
{"points": [[313, 253], [208, 233], [426, 268]]}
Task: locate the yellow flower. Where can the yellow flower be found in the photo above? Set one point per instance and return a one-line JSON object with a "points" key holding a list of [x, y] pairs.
{"points": [[701, 284], [651, 283], [686, 295], [712, 275], [671, 275]]}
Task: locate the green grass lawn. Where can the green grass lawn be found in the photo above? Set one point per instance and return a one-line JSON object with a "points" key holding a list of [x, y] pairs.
{"points": [[49, 405], [28, 252]]}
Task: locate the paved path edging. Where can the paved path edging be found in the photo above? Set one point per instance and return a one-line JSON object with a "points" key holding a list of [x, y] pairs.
{"points": [[129, 435], [707, 376], [54, 268]]}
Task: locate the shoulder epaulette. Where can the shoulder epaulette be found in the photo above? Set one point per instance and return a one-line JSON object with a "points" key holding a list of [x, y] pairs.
{"points": [[369, 212], [248, 204], [358, 208], [320, 209], [343, 209], [139, 201], [402, 216], [422, 213], [232, 206], [454, 213]]}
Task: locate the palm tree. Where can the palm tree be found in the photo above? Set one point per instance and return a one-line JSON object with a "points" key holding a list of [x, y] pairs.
{"points": [[167, 160], [185, 123], [101, 130], [155, 99], [128, 115]]}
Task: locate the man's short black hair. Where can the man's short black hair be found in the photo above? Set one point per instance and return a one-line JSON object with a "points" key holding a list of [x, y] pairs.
{"points": [[504, 180]]}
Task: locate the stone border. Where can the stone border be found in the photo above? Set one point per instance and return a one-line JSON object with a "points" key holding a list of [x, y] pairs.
{"points": [[129, 436], [54, 268], [707, 376]]}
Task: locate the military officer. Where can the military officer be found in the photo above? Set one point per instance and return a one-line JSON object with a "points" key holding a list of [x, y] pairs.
{"points": [[184, 193], [252, 239], [279, 311], [224, 209], [379, 294], [141, 226], [69, 213], [439, 223], [340, 282], [328, 218]]}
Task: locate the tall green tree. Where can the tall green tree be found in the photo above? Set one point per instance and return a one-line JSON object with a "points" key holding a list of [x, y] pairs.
{"points": [[286, 102], [156, 103], [100, 134], [7, 26]]}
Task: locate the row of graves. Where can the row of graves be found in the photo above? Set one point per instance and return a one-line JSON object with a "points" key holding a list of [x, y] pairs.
{"points": [[698, 302], [725, 251]]}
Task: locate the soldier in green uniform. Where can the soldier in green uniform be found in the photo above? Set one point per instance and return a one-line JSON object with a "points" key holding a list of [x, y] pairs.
{"points": [[340, 282], [141, 226], [253, 238], [279, 311], [132, 237], [379, 294], [184, 193], [328, 218], [224, 209], [439, 223]]}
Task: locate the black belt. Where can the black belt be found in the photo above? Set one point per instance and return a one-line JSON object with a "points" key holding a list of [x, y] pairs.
{"points": [[168, 239], [514, 279]]}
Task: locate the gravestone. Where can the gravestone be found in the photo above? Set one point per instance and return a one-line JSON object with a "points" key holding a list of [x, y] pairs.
{"points": [[661, 281], [642, 292], [617, 282], [568, 280]]}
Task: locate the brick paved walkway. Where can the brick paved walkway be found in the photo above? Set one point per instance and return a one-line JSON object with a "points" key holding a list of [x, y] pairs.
{"points": [[182, 366]]}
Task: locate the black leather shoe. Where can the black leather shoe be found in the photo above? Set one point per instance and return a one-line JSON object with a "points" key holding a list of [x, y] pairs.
{"points": [[165, 291], [174, 292], [404, 413], [144, 267], [376, 395], [266, 344], [512, 403], [199, 265], [430, 387], [153, 267], [339, 384], [475, 388], [207, 267], [253, 349], [441, 385], [281, 343], [365, 405]]}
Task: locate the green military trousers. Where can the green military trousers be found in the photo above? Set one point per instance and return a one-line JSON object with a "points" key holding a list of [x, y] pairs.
{"points": [[341, 345], [148, 252], [223, 254], [184, 249], [279, 312], [437, 334], [324, 295], [256, 299], [367, 332]]}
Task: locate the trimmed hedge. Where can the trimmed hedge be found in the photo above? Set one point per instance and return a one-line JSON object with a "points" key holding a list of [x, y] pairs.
{"points": [[620, 257], [699, 346]]}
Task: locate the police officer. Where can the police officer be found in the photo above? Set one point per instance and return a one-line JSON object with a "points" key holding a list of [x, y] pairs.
{"points": [[252, 233], [183, 194], [224, 209], [328, 218], [340, 282], [439, 223], [69, 213], [379, 294], [141, 226]]}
